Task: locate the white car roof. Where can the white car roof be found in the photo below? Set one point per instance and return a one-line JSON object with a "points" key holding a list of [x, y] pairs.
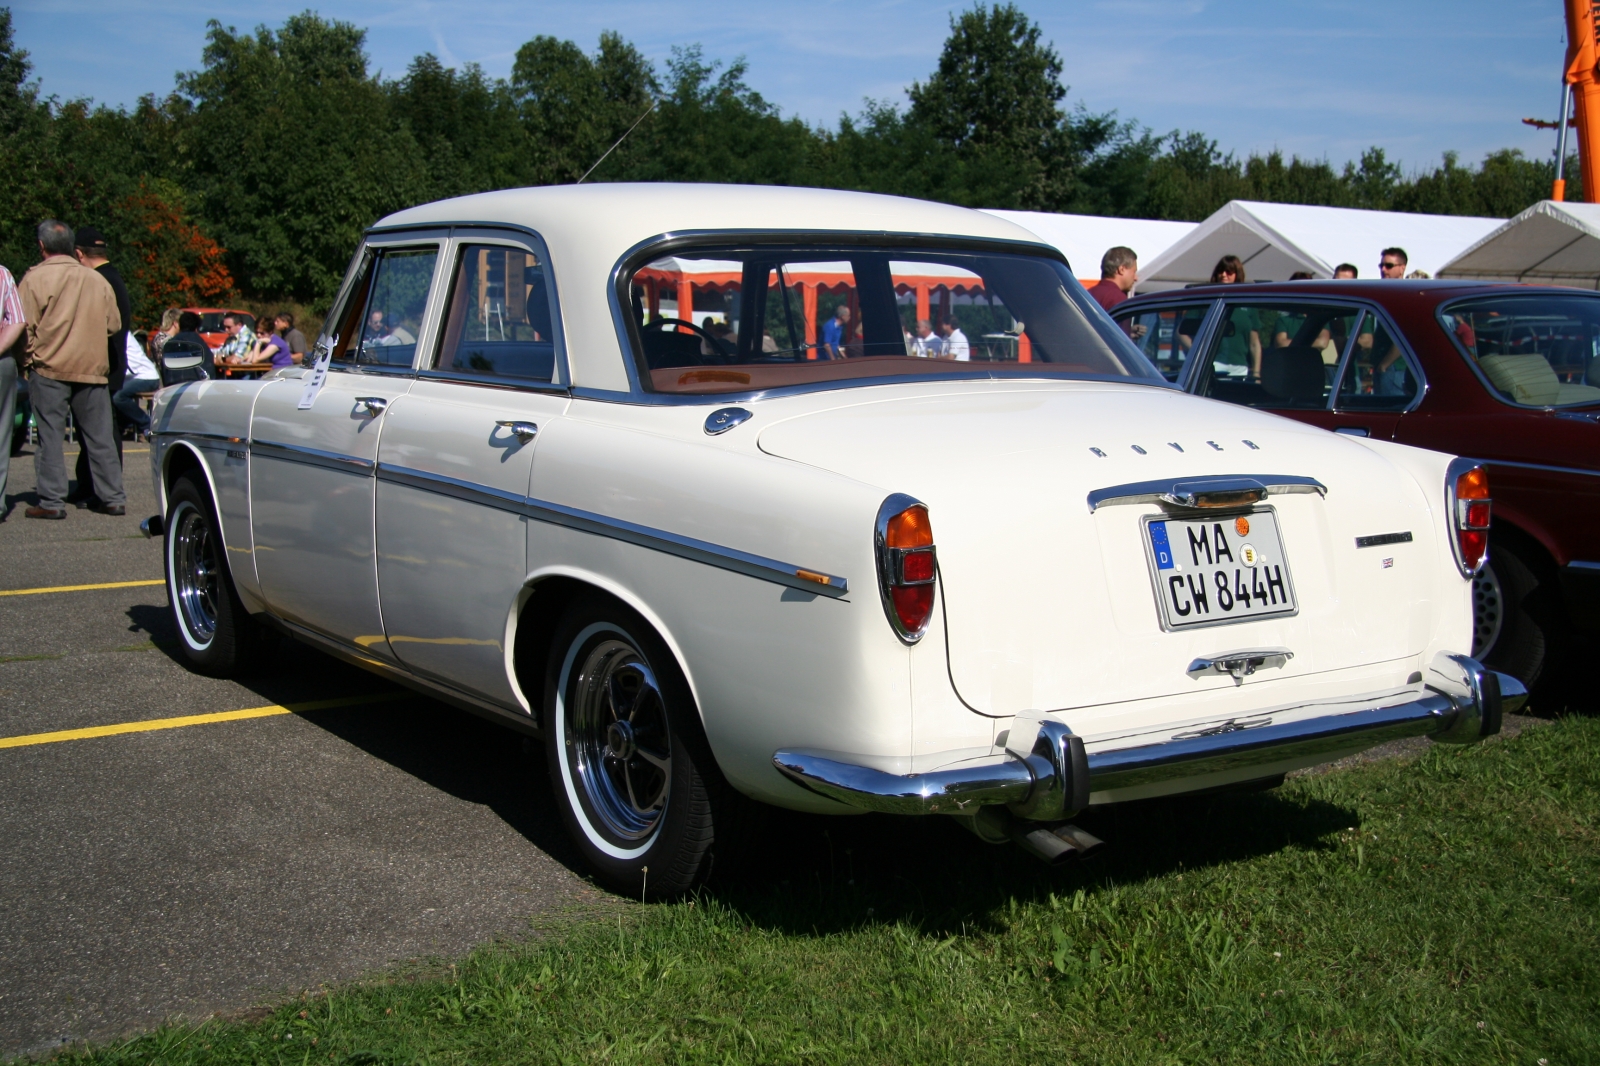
{"points": [[587, 228]]}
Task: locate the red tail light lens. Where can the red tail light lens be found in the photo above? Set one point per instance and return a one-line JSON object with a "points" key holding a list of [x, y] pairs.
{"points": [[906, 565], [1471, 510]]}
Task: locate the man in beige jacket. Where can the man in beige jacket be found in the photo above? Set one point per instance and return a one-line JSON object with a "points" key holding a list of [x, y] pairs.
{"points": [[71, 311]]}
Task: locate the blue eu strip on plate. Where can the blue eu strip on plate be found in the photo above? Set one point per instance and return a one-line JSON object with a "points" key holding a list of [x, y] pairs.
{"points": [[1158, 541]]}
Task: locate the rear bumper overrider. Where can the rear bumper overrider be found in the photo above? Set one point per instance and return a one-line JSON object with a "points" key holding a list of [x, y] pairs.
{"points": [[1045, 773]]}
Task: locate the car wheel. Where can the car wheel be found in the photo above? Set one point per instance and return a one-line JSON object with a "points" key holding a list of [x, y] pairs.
{"points": [[218, 635], [1512, 629], [629, 764]]}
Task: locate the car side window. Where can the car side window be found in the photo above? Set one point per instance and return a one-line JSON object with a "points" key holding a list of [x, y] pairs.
{"points": [[1377, 376], [1166, 335], [380, 323], [500, 319], [1277, 355]]}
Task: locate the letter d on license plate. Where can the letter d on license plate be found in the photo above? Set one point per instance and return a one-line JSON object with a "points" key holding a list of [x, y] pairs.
{"points": [[1219, 569]]}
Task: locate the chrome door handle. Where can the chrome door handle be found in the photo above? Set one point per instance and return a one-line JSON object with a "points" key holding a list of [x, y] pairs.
{"points": [[523, 431], [375, 405]]}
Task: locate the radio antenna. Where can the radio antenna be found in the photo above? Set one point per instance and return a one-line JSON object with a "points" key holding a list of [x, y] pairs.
{"points": [[624, 137]]}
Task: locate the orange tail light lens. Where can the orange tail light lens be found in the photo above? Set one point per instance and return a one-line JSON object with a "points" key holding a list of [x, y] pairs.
{"points": [[1471, 510], [907, 567]]}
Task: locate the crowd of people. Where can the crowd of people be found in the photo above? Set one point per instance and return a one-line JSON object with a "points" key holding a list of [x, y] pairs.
{"points": [[67, 326]]}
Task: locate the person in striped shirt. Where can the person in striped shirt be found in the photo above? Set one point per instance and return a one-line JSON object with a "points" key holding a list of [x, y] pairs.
{"points": [[12, 323]]}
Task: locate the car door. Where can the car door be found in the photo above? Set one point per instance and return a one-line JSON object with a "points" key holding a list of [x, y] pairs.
{"points": [[454, 466], [313, 464]]}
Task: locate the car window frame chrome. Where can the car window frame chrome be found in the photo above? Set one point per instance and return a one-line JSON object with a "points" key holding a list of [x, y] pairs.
{"points": [[652, 248], [1443, 307]]}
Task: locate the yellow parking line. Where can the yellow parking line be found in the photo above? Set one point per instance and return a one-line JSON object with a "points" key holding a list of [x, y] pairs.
{"points": [[150, 724], [82, 588]]}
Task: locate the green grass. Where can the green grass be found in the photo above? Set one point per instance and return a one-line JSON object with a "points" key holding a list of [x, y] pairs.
{"points": [[1439, 909]]}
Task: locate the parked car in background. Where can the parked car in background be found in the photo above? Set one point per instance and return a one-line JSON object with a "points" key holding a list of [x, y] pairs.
{"points": [[708, 564], [211, 330], [1506, 374]]}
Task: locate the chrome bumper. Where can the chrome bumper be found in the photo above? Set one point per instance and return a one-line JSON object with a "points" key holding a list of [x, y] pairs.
{"points": [[1045, 774]]}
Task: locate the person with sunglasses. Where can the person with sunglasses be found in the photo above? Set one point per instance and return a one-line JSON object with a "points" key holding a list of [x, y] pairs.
{"points": [[1392, 263]]}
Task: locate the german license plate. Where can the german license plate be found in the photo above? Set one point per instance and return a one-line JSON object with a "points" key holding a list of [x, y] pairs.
{"points": [[1216, 570]]}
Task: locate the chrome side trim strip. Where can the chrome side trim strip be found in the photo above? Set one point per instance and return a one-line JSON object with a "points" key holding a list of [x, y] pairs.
{"points": [[1178, 488], [181, 434], [299, 453], [1540, 466], [725, 558]]}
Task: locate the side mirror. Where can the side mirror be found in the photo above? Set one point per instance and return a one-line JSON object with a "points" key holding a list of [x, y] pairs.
{"points": [[181, 360]]}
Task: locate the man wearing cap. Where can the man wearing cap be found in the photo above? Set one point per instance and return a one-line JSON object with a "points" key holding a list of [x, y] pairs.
{"points": [[91, 252], [72, 315]]}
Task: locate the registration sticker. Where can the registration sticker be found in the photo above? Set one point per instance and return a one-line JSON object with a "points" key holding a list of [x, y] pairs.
{"points": [[1218, 570], [319, 372]]}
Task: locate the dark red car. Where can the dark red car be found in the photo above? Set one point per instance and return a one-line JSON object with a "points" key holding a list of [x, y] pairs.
{"points": [[1507, 374]]}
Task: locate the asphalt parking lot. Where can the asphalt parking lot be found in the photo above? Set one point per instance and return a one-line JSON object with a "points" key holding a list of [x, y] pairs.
{"points": [[208, 867]]}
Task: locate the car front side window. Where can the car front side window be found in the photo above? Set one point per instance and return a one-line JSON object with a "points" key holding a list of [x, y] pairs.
{"points": [[381, 318], [1166, 335]]}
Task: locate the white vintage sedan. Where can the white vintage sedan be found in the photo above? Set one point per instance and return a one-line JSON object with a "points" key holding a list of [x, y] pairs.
{"points": [[825, 500]]}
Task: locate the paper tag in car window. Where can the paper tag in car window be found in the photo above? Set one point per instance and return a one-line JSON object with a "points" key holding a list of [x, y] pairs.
{"points": [[319, 372]]}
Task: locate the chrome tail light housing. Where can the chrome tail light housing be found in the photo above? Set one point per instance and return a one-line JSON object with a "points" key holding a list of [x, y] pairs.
{"points": [[907, 566], [1467, 493]]}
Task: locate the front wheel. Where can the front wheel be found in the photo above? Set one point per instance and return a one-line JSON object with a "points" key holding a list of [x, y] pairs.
{"points": [[632, 773], [218, 635]]}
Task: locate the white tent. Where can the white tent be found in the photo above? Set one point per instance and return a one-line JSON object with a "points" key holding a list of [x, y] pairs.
{"points": [[1276, 240], [1083, 239], [1550, 243]]}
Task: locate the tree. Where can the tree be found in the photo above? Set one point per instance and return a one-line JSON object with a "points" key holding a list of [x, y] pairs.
{"points": [[294, 152], [574, 106]]}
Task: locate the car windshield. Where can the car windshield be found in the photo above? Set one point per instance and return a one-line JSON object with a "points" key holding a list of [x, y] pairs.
{"points": [[735, 319], [1539, 349]]}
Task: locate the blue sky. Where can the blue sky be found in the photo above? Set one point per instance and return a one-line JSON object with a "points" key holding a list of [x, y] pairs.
{"points": [[1321, 78]]}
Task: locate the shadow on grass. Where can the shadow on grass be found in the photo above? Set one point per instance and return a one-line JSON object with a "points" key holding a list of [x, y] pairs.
{"points": [[822, 875]]}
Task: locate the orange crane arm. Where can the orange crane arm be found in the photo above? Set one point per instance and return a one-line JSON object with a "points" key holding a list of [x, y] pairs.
{"points": [[1583, 56]]}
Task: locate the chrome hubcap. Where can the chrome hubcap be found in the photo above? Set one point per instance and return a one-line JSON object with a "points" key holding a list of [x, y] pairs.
{"points": [[1488, 611], [195, 573], [619, 740]]}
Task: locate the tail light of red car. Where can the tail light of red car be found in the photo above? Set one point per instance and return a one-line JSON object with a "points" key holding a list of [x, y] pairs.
{"points": [[907, 566], [1467, 488]]}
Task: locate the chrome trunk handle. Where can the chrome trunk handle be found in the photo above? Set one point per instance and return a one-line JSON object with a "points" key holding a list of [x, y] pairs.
{"points": [[375, 405], [523, 431], [1241, 664]]}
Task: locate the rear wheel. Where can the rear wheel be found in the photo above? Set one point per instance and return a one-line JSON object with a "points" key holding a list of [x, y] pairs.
{"points": [[1513, 617], [219, 637], [632, 772]]}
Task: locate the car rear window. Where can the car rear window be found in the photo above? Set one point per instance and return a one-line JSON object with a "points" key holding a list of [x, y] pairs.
{"points": [[1539, 350], [736, 319]]}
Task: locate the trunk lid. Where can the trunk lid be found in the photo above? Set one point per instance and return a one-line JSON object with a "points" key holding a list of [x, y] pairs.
{"points": [[1052, 606]]}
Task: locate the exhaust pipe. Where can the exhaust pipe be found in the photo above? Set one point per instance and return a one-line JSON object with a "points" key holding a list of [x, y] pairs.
{"points": [[1055, 844]]}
